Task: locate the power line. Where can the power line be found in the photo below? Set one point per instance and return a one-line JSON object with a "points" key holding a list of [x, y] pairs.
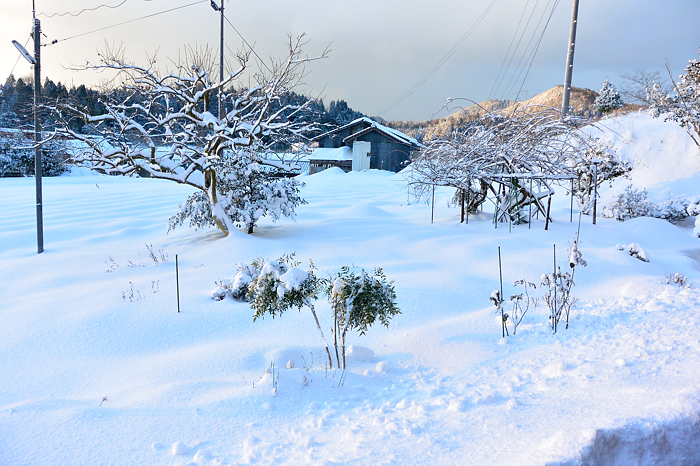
{"points": [[442, 61], [518, 69], [18, 56], [539, 42], [130, 21], [500, 77], [533, 52], [246, 43], [68, 13]]}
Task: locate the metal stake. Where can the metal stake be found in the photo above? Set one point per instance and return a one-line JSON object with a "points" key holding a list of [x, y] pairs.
{"points": [[595, 191], [177, 282]]}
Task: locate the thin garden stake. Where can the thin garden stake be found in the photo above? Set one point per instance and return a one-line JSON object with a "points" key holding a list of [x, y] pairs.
{"points": [[571, 209], [495, 215], [578, 231], [554, 315], [177, 283], [529, 223], [595, 191], [510, 215], [500, 277], [432, 209], [467, 212], [549, 205]]}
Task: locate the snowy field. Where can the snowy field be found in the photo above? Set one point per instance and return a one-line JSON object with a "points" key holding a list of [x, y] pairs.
{"points": [[97, 366]]}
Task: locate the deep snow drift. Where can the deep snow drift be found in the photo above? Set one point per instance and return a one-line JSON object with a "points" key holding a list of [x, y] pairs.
{"points": [[98, 367]]}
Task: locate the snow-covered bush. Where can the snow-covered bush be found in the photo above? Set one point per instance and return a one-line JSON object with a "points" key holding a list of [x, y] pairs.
{"points": [[693, 208], [359, 299], [635, 251], [673, 211], [498, 301], [520, 304], [696, 230], [557, 288], [608, 98], [629, 204], [609, 167], [247, 192], [633, 203], [236, 287], [677, 279], [683, 105], [557, 296], [281, 286]]}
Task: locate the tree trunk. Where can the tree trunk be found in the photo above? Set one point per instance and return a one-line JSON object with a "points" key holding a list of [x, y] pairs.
{"points": [[218, 214], [335, 335], [323, 337]]}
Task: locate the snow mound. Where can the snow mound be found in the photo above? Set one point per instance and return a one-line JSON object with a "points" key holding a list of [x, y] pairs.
{"points": [[363, 210], [359, 353], [179, 449], [329, 173], [666, 161]]}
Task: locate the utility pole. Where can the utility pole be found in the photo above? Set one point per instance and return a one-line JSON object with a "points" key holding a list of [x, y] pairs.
{"points": [[36, 62], [220, 9], [570, 60], [37, 136]]}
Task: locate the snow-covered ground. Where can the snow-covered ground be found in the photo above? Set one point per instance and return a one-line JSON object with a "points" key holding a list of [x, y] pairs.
{"points": [[97, 366]]}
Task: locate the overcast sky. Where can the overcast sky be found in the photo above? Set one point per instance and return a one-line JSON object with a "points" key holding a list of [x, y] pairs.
{"points": [[380, 49]]}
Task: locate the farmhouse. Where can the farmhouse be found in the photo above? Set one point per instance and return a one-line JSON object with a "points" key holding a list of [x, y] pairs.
{"points": [[362, 144]]}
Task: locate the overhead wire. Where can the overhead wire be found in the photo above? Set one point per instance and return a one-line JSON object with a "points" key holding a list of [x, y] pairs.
{"points": [[500, 77], [444, 59], [246, 43], [526, 53], [130, 21], [539, 42], [68, 13], [18, 56], [534, 51]]}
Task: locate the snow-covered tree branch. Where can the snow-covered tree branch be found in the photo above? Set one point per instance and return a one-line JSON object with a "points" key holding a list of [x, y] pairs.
{"points": [[164, 125], [683, 105], [526, 144]]}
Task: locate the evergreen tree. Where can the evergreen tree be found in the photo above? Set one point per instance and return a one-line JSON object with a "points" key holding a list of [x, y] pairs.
{"points": [[608, 98], [341, 113]]}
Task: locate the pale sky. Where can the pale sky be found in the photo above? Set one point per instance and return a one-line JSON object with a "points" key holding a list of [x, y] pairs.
{"points": [[380, 49]]}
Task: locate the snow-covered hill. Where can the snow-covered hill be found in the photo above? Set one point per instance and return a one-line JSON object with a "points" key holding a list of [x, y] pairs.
{"points": [[665, 160], [98, 367]]}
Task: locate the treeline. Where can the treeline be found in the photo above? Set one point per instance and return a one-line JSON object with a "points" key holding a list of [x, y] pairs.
{"points": [[17, 104], [17, 101]]}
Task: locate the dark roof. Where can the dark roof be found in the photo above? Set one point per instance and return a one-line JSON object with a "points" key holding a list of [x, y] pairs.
{"points": [[371, 125], [366, 122], [392, 134]]}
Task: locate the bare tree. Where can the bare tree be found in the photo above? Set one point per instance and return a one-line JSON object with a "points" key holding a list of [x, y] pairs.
{"points": [[497, 153], [161, 124], [637, 84]]}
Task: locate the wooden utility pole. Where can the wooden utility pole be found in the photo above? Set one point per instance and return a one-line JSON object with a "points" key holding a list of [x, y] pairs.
{"points": [[220, 9], [570, 60], [37, 137], [221, 56]]}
